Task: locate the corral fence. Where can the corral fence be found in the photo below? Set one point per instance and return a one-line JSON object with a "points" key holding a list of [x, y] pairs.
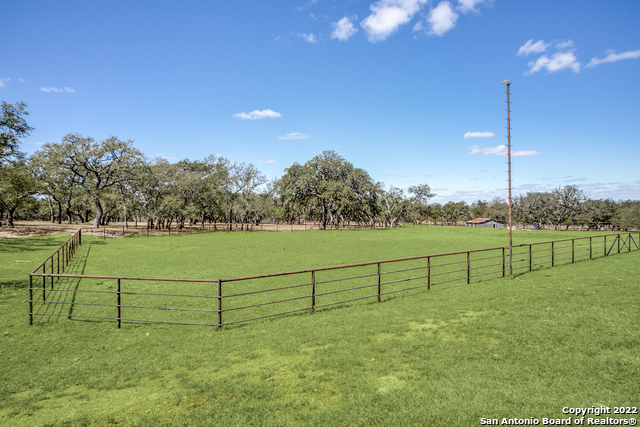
{"points": [[219, 302]]}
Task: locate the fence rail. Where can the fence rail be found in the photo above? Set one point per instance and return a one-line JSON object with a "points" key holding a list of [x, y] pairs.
{"points": [[219, 302]]}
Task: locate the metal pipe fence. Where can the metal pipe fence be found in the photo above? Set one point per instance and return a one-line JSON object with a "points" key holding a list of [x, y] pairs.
{"points": [[220, 302]]}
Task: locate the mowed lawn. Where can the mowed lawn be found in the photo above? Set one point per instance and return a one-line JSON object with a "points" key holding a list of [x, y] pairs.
{"points": [[527, 347]]}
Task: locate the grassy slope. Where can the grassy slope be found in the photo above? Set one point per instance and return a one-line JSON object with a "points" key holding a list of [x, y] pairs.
{"points": [[558, 337]]}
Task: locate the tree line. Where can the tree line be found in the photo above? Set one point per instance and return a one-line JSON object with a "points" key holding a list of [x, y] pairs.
{"points": [[83, 180]]}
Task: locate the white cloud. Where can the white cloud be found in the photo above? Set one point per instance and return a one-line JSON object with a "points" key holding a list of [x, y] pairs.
{"points": [[500, 150], [564, 45], [257, 114], [309, 38], [3, 82], [614, 57], [478, 135], [531, 47], [294, 135], [388, 15], [57, 89], [306, 5], [343, 29], [559, 61], [442, 18], [22, 80], [466, 6], [267, 161]]}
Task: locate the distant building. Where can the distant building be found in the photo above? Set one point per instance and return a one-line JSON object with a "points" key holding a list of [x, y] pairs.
{"points": [[485, 223]]}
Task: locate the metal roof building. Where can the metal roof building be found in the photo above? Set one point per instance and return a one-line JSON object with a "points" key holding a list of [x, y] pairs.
{"points": [[485, 223]]}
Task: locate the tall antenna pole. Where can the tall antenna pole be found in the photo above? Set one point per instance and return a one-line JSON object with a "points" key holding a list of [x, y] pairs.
{"points": [[507, 82]]}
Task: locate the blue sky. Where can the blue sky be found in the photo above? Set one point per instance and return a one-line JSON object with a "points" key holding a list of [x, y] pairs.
{"points": [[408, 90]]}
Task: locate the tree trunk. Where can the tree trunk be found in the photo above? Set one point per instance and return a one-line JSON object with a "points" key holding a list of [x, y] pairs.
{"points": [[51, 214], [99, 213], [124, 212], [9, 220]]}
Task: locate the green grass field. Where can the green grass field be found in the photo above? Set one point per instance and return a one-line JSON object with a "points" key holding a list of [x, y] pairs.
{"points": [[527, 347]]}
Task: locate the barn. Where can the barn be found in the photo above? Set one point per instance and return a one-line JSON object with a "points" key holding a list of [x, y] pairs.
{"points": [[485, 223]]}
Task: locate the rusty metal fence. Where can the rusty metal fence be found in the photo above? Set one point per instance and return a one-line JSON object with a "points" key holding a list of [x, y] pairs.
{"points": [[219, 302]]}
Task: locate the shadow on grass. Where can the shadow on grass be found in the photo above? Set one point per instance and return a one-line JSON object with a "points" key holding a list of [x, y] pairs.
{"points": [[21, 244]]}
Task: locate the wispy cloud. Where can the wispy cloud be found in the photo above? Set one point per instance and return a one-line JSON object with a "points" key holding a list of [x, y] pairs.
{"points": [[389, 15], [531, 47], [343, 29], [4, 81], [258, 114], [294, 135], [441, 19], [309, 38], [306, 5], [563, 58], [478, 135], [267, 161], [614, 57], [564, 45], [66, 89], [467, 6], [559, 61], [500, 150], [389, 174]]}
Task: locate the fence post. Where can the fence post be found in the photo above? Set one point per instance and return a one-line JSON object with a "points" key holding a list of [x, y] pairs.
{"points": [[58, 261], [313, 290], [468, 267], [52, 268], [552, 257], [503, 263], [590, 248], [629, 242], [618, 252], [30, 300], [530, 258], [44, 282], [379, 274], [219, 303], [429, 273], [118, 307], [572, 250], [605, 245]]}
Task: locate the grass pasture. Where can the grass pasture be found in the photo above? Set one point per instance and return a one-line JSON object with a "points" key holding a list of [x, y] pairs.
{"points": [[527, 347]]}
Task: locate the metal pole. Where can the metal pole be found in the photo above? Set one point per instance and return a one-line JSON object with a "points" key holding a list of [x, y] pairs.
{"points": [[30, 300], [429, 273], [226, 190], [468, 267], [530, 258], [219, 303], [507, 82], [313, 291], [118, 308], [379, 282]]}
